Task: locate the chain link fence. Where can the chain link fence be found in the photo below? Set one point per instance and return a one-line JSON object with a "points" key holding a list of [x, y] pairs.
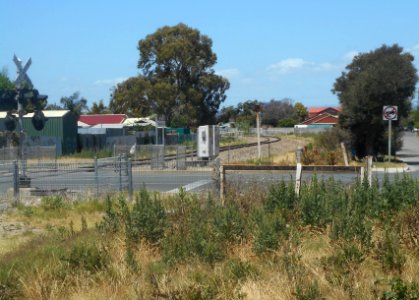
{"points": [[39, 153]]}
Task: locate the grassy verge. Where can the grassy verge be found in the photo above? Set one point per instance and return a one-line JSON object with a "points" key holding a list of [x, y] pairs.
{"points": [[331, 242]]}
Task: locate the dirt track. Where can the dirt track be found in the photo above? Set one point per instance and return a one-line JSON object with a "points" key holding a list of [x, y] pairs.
{"points": [[280, 151]]}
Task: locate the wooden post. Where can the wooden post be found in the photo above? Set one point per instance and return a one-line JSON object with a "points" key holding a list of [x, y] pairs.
{"points": [[222, 178], [345, 155]]}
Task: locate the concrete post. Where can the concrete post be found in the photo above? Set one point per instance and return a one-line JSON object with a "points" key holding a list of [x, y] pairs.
{"points": [[96, 177], [298, 176], [16, 181], [130, 186]]}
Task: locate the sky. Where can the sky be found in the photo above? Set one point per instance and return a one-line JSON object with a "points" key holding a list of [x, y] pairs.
{"points": [[267, 49]]}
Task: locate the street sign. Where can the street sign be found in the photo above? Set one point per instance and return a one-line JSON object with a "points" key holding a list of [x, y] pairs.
{"points": [[390, 113], [21, 73]]}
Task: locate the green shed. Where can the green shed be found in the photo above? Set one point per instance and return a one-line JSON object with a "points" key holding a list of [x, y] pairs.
{"points": [[61, 127]]}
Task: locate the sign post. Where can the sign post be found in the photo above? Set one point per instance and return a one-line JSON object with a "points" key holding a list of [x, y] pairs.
{"points": [[390, 113]]}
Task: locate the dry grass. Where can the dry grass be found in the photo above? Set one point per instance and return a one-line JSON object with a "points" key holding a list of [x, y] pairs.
{"points": [[301, 266]]}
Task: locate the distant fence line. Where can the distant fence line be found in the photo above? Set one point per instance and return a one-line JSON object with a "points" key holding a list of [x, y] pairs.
{"points": [[31, 152]]}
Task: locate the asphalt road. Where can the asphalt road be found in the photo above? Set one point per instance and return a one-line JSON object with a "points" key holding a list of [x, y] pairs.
{"points": [[410, 153], [171, 180]]}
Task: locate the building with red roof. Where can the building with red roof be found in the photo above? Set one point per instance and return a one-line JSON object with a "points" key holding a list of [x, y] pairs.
{"points": [[93, 120], [313, 111], [321, 117]]}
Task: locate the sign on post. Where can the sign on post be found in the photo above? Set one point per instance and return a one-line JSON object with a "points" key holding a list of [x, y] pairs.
{"points": [[22, 76], [390, 113]]}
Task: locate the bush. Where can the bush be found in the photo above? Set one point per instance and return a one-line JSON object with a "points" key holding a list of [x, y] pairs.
{"points": [[269, 228], [229, 223], [53, 203], [148, 218], [86, 256], [388, 251], [237, 269], [401, 291], [191, 233]]}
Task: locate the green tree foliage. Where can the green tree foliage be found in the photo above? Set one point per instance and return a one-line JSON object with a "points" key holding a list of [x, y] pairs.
{"points": [[177, 78], [29, 97], [7, 93], [131, 97], [75, 104], [277, 110], [301, 111], [385, 76], [227, 114], [99, 108]]}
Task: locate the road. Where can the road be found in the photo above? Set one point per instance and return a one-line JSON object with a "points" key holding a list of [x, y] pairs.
{"points": [[172, 180], [410, 153]]}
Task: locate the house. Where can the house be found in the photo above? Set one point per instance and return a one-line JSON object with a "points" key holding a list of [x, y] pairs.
{"points": [[322, 120], [321, 117], [314, 111], [96, 131]]}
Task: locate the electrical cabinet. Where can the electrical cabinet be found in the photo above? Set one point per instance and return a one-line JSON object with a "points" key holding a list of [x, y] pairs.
{"points": [[208, 141]]}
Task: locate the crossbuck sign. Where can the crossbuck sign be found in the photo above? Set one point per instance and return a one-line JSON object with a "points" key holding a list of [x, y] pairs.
{"points": [[21, 73]]}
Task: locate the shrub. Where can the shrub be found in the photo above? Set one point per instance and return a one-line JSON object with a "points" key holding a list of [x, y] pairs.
{"points": [[313, 203], [111, 220], [281, 196], [268, 230], [148, 218], [86, 256], [53, 203], [388, 251], [191, 233], [308, 291], [237, 269], [229, 223], [401, 291], [408, 221]]}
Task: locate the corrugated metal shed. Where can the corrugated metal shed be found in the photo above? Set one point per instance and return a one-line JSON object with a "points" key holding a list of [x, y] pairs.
{"points": [[61, 124]]}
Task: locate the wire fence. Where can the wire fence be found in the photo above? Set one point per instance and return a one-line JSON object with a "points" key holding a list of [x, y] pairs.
{"points": [[39, 153]]}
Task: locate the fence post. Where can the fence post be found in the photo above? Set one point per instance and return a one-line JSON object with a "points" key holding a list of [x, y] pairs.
{"points": [[177, 157], [96, 177], [16, 181], [369, 169], [362, 173], [298, 179], [130, 188], [222, 187], [120, 172], [345, 154]]}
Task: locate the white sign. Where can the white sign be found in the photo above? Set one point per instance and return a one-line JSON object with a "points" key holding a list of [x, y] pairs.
{"points": [[21, 72], [390, 113]]}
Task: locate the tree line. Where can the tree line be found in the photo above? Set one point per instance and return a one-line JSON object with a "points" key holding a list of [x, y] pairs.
{"points": [[177, 83]]}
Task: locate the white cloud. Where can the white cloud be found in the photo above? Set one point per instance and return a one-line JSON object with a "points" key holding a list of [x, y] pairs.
{"points": [[295, 64], [349, 56], [324, 67], [287, 65], [229, 73], [414, 50], [108, 82]]}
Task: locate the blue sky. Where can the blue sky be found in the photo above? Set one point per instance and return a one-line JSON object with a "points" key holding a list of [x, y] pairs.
{"points": [[267, 49]]}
